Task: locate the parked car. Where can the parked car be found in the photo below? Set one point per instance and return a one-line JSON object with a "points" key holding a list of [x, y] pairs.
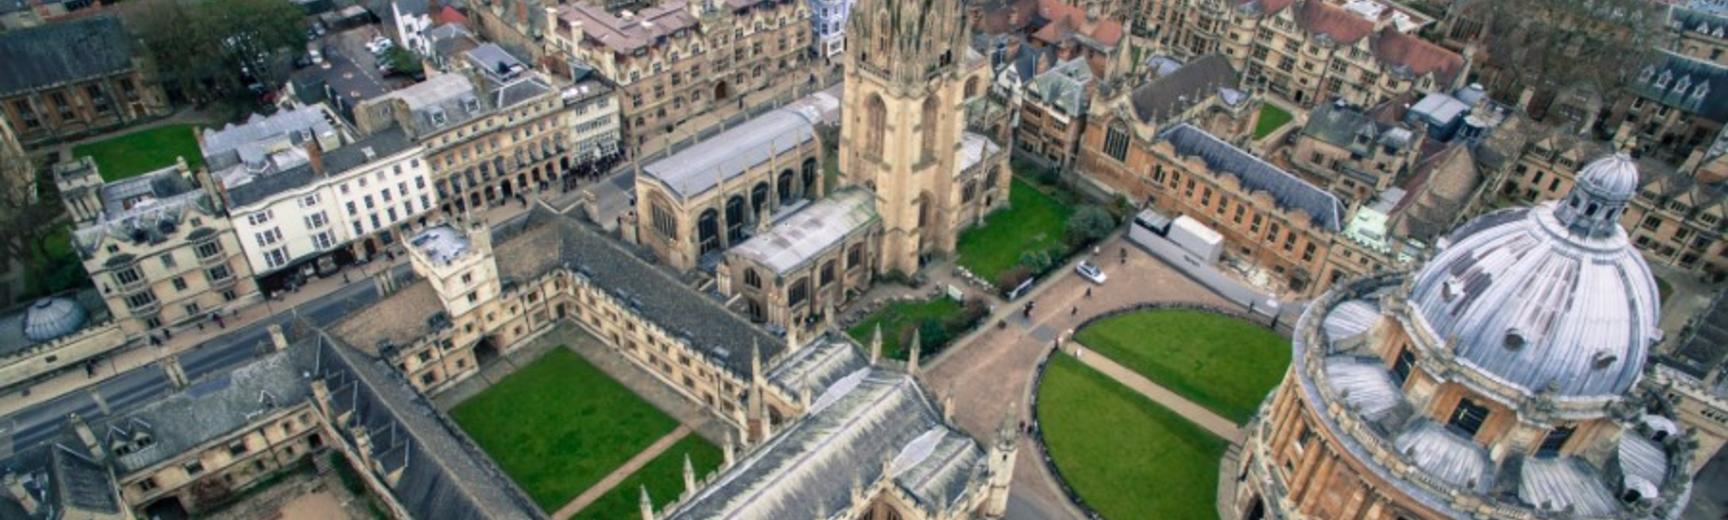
{"points": [[1090, 271], [379, 45]]}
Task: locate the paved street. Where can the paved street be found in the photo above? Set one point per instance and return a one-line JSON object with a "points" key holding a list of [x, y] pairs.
{"points": [[987, 370]]}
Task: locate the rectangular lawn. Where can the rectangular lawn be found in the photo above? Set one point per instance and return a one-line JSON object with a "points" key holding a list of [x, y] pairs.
{"points": [[559, 425], [1217, 361], [664, 477], [1271, 119], [1126, 456], [896, 317], [143, 151], [1034, 221]]}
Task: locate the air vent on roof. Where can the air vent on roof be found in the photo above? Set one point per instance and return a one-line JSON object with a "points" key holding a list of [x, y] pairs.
{"points": [[369, 153]]}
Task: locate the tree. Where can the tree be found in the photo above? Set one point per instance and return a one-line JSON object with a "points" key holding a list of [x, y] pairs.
{"points": [[1036, 261], [219, 47], [403, 62], [1549, 45], [1090, 223]]}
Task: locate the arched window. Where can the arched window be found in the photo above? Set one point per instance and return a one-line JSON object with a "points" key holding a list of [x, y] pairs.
{"points": [[931, 123], [798, 292], [827, 274], [971, 87], [735, 218], [752, 279], [708, 230], [808, 172], [968, 191], [758, 197], [784, 186], [664, 223], [875, 125]]}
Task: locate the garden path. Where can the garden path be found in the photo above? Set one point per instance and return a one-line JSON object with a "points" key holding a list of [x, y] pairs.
{"points": [[605, 485], [1194, 413]]}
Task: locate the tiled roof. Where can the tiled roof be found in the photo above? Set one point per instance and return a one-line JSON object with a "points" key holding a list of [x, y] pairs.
{"points": [[56, 53], [1696, 86], [813, 230], [383, 144], [1175, 92], [641, 30], [1066, 20], [1288, 191], [1334, 22], [396, 320], [729, 154], [1417, 56]]}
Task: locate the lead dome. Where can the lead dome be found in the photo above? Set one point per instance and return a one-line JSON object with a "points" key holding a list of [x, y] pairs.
{"points": [[1551, 300]]}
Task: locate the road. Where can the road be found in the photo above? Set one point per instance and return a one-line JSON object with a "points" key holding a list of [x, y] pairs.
{"points": [[123, 393]]}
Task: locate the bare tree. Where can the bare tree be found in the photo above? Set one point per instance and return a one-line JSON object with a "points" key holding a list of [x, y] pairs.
{"points": [[26, 214], [1555, 45]]}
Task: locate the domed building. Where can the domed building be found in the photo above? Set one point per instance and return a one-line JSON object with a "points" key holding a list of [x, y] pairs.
{"points": [[1498, 380]]}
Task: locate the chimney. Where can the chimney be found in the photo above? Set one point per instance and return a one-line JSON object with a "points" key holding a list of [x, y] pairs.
{"points": [[315, 156]]}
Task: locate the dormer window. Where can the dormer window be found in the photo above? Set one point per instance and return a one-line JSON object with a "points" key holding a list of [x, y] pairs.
{"points": [[1662, 80], [437, 117], [1684, 84], [1702, 90], [472, 105], [1644, 75]]}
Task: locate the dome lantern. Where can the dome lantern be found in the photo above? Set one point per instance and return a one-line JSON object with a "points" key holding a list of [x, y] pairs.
{"points": [[1598, 199]]}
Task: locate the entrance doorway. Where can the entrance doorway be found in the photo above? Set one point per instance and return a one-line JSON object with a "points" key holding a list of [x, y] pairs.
{"points": [[722, 91]]}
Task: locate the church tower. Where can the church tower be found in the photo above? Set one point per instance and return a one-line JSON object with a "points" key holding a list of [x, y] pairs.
{"points": [[903, 104]]}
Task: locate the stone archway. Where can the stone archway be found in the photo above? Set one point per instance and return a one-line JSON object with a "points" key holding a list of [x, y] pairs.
{"points": [[722, 90]]}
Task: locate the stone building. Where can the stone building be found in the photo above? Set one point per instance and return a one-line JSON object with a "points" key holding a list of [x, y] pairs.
{"points": [[1053, 113], [1700, 30], [74, 78], [1352, 153], [1269, 217], [1309, 51], [1673, 106], [798, 269], [59, 337], [677, 61], [160, 249], [1200, 93], [908, 75], [1449, 392], [490, 133], [695, 204]]}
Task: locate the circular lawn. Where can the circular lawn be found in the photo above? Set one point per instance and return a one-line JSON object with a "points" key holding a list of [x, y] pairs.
{"points": [[1224, 363]]}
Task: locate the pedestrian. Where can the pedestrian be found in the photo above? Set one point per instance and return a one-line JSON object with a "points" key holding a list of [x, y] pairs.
{"points": [[1088, 292], [1074, 311], [167, 334]]}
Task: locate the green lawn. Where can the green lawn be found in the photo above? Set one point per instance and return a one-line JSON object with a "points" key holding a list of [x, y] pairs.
{"points": [[1127, 457], [559, 425], [1217, 361], [143, 151], [896, 317], [1271, 119], [664, 477], [1034, 221]]}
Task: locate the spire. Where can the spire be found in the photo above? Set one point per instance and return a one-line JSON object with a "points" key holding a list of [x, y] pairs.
{"points": [[915, 348], [876, 344], [689, 475], [948, 406], [762, 223], [646, 504]]}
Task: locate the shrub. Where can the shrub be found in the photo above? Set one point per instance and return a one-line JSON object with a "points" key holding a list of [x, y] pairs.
{"points": [[1013, 277], [1090, 224], [1035, 262]]}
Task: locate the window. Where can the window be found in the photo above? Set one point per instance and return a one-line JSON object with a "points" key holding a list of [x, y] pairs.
{"points": [[179, 283], [827, 273], [752, 279], [1555, 440], [219, 272], [855, 257], [1116, 143], [664, 223], [147, 485], [1468, 417], [259, 217], [142, 299], [1401, 367], [799, 291], [193, 467], [238, 448], [208, 249], [128, 276]]}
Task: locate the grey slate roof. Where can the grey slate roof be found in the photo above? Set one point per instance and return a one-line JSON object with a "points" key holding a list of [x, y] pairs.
{"points": [[394, 321], [1685, 83], [58, 53], [1064, 87], [817, 366], [441, 476], [1352, 129], [236, 143], [869, 417], [78, 482], [810, 232], [212, 408], [385, 143], [703, 166], [1175, 92], [1287, 190], [541, 240]]}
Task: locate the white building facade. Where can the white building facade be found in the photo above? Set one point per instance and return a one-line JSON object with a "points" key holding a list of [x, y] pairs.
{"points": [[828, 18]]}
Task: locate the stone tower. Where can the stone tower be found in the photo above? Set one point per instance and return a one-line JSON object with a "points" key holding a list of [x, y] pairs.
{"points": [[903, 100]]}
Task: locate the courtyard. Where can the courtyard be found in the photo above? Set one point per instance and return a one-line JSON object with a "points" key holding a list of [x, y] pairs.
{"points": [[1271, 119], [1124, 455], [1223, 363], [663, 477], [127, 155], [1034, 221], [559, 425]]}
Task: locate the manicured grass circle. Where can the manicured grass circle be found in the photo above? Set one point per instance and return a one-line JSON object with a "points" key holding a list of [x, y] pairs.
{"points": [[1221, 362], [1127, 457]]}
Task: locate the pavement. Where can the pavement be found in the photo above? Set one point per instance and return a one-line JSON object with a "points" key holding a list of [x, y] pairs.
{"points": [[990, 373]]}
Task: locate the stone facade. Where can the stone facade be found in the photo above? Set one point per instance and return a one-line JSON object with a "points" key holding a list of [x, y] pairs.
{"points": [[677, 61], [796, 272], [88, 80], [906, 83], [164, 265], [1309, 51]]}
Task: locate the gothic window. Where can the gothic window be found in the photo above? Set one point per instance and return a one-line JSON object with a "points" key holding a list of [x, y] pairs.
{"points": [[1400, 368], [784, 186], [799, 291], [875, 125], [759, 197], [708, 230], [827, 273], [1116, 143], [971, 87], [855, 257], [664, 223], [808, 172], [968, 191], [752, 279], [932, 117], [735, 218]]}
